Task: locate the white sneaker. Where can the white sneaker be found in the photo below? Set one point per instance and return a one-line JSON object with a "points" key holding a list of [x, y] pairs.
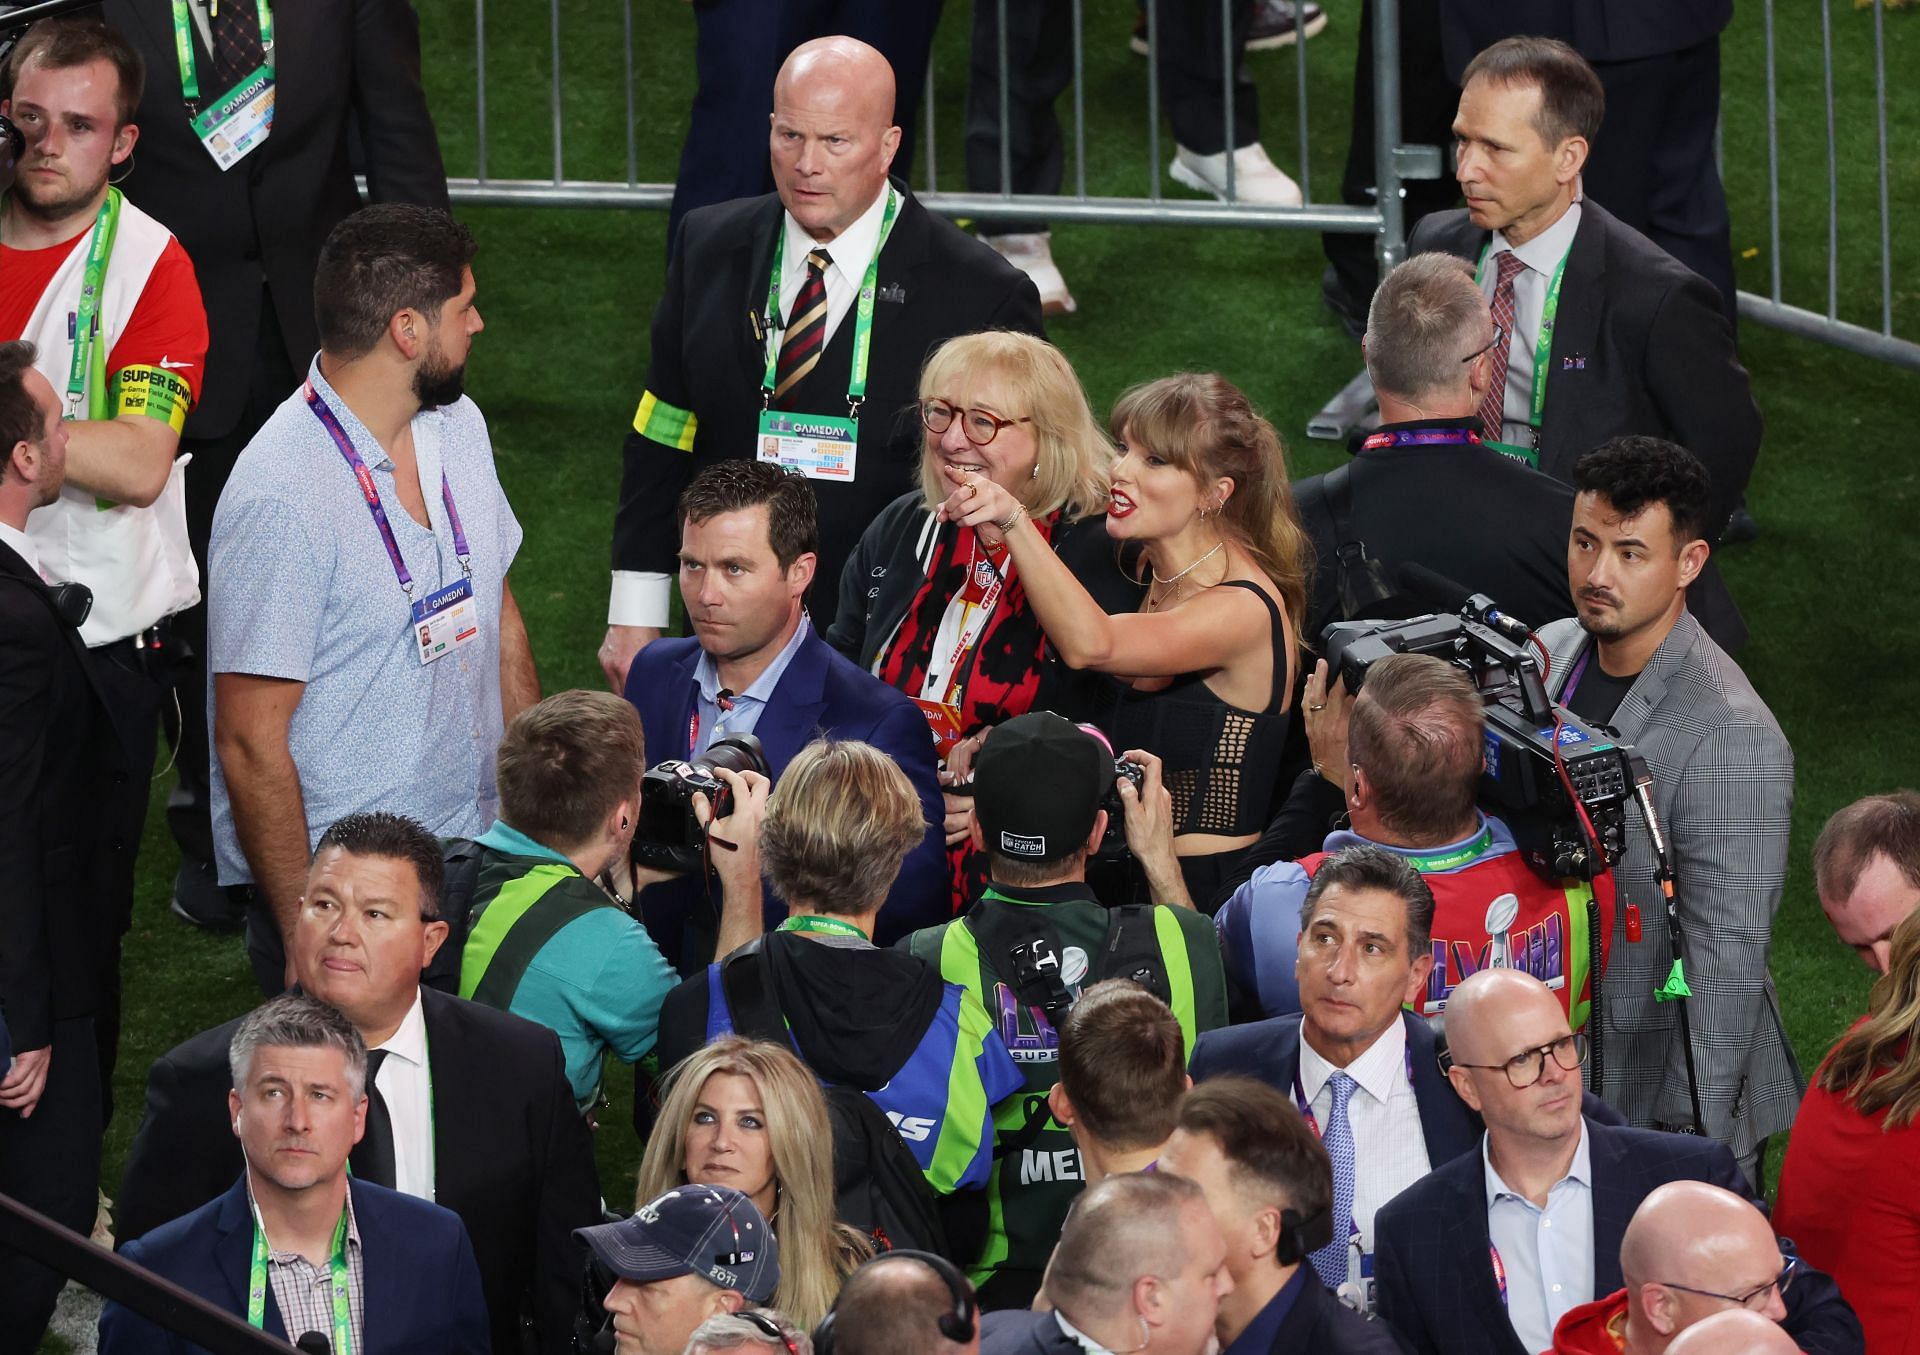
{"points": [[1033, 255], [1257, 181]]}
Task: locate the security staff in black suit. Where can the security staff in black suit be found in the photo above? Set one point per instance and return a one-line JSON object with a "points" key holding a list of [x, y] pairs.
{"points": [[468, 1106], [762, 322], [1424, 489], [57, 751], [1634, 341], [253, 230], [1653, 164]]}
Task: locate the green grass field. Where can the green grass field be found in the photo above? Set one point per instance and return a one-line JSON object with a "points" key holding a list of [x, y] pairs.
{"points": [[567, 296]]}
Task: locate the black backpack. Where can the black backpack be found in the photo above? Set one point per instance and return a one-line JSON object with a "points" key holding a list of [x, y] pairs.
{"points": [[461, 857], [878, 1187]]}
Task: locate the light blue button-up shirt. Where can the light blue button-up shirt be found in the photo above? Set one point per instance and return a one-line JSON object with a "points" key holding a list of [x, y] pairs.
{"points": [[745, 714], [1547, 1253]]}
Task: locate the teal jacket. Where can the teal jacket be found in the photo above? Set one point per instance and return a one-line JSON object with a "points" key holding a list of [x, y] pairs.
{"points": [[546, 943]]}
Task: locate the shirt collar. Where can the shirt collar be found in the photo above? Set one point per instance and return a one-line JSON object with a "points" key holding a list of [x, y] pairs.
{"points": [[286, 1258], [852, 250], [409, 1043], [503, 837], [1580, 1170], [1078, 1337], [1377, 1071], [1543, 253], [706, 673], [16, 539], [362, 438]]}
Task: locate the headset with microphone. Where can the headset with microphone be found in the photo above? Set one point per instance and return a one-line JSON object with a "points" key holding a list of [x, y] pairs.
{"points": [[956, 1326]]}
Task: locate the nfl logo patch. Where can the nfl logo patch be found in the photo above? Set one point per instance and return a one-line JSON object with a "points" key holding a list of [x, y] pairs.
{"points": [[984, 574]]}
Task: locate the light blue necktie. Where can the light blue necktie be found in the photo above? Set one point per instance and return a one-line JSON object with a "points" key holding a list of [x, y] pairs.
{"points": [[1331, 1260]]}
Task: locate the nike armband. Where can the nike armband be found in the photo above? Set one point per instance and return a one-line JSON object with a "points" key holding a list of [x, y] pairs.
{"points": [[152, 391], [669, 425]]}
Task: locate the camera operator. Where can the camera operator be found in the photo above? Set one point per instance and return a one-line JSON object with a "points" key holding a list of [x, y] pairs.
{"points": [[755, 665], [543, 940], [1635, 658], [1407, 752], [1037, 937]]}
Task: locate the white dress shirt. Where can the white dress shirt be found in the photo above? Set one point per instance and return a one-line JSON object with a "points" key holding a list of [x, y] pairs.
{"points": [[1542, 256], [644, 597], [407, 1087], [1078, 1337], [18, 541], [1389, 1146], [1547, 1254]]}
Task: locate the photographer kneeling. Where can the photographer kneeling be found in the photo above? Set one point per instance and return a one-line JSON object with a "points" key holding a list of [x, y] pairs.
{"points": [[543, 940], [1408, 753]]}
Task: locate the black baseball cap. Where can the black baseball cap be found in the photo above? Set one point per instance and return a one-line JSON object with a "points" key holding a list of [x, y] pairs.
{"points": [[714, 1232], [1037, 784]]}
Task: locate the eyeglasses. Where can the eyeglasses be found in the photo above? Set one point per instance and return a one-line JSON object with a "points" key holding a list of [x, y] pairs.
{"points": [[1524, 1069], [1489, 346], [1753, 1299], [979, 426]]}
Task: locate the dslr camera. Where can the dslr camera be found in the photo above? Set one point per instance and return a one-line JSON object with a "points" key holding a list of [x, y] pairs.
{"points": [[667, 835], [1113, 843]]}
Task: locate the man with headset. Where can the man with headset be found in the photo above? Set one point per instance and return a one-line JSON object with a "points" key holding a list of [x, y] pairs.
{"points": [[902, 1303]]}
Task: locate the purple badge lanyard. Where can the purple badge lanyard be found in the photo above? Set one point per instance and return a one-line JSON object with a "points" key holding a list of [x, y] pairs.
{"points": [[331, 422]]}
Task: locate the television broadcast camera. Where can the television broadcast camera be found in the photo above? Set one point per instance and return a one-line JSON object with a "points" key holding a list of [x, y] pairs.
{"points": [[1521, 783], [667, 836]]}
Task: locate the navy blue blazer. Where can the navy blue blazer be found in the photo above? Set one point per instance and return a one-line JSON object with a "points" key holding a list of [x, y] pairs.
{"points": [[1435, 1278], [421, 1287], [822, 692], [1270, 1051], [1021, 1331]]}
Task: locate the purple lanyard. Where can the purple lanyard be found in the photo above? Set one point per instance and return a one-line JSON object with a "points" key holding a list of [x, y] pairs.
{"points": [[1573, 678], [1421, 437], [364, 478]]}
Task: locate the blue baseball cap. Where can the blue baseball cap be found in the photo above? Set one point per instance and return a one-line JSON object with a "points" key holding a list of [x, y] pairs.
{"points": [[711, 1231]]}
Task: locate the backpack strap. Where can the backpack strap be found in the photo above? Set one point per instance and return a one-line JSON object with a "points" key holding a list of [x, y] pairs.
{"points": [[750, 1001], [1024, 949], [1133, 950], [542, 917]]}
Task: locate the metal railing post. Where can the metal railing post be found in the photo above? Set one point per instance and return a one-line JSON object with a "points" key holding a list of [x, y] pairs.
{"points": [[1006, 105], [1153, 100], [480, 88], [559, 170], [1227, 91], [1386, 131]]}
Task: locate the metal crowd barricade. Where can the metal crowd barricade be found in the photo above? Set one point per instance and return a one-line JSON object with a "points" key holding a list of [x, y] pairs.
{"points": [[1394, 163]]}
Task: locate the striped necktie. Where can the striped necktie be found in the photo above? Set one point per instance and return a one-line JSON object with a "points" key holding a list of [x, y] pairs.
{"points": [[806, 327], [1494, 403]]}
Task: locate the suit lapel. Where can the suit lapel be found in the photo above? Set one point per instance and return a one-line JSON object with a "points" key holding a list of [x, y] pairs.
{"points": [[1468, 1236], [682, 714], [756, 253], [233, 1256], [1576, 333], [1614, 1201], [793, 712], [12, 564], [1650, 688], [378, 1266], [452, 1110]]}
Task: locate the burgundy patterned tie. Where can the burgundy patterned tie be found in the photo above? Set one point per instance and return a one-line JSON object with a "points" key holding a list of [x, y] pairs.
{"points": [[1493, 404], [806, 327]]}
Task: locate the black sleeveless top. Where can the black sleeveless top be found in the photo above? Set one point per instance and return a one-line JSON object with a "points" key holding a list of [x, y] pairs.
{"points": [[1220, 762]]}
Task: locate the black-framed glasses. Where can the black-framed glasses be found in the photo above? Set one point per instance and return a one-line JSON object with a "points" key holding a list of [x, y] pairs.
{"points": [[1753, 1299], [979, 426], [1524, 1069], [1489, 346]]}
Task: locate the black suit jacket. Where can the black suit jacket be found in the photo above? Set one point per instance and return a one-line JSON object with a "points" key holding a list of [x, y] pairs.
{"points": [[1320, 1323], [934, 282], [1270, 1051], [263, 221], [1435, 1278], [1021, 1331], [1641, 344], [511, 1156], [58, 755], [1600, 30]]}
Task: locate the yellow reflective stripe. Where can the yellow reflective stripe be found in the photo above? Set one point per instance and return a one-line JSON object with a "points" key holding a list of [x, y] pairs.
{"points": [[666, 424], [1581, 961], [152, 391], [1173, 954]]}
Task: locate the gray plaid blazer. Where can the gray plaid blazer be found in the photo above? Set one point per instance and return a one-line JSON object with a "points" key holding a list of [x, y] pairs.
{"points": [[1723, 785]]}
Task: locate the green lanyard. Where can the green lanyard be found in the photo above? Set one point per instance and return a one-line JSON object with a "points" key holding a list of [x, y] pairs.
{"points": [[183, 43], [1543, 350], [1433, 865], [862, 315], [89, 361], [342, 1308], [834, 926]]}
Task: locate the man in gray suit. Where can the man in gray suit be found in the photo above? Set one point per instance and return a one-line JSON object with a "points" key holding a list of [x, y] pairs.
{"points": [[1723, 786]]}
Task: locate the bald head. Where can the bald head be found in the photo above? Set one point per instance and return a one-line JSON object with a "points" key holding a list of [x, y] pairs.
{"points": [[1734, 1332], [1494, 1009], [833, 137], [1693, 1250]]}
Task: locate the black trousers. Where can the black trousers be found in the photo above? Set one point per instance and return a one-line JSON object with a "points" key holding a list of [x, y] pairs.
{"points": [[738, 51], [1652, 164], [190, 807], [50, 1162], [136, 680], [1189, 47], [1039, 69]]}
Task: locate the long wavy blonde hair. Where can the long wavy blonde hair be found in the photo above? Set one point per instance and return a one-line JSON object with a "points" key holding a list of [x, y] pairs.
{"points": [[1876, 1065], [817, 1252], [1036, 381]]}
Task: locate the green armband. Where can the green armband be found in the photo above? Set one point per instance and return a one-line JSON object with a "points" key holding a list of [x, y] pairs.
{"points": [[666, 424]]}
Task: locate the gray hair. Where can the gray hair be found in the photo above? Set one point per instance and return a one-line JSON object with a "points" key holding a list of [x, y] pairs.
{"points": [[748, 1327], [1119, 1230], [296, 1021], [1427, 315]]}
